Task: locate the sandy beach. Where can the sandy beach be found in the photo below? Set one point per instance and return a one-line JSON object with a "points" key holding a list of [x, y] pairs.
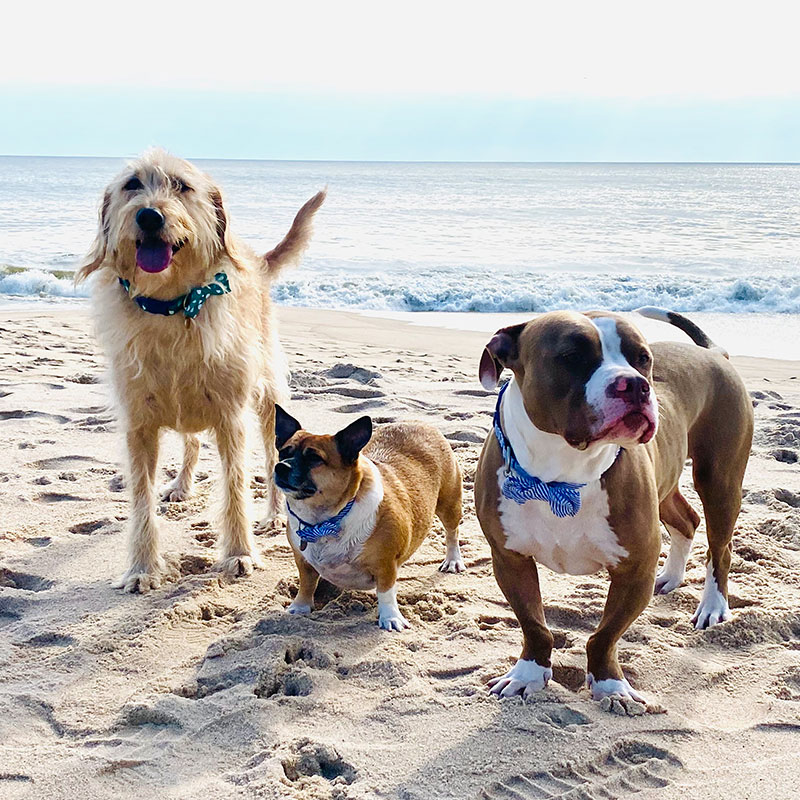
{"points": [[210, 689]]}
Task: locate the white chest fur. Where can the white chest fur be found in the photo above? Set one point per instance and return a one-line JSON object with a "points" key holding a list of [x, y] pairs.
{"points": [[335, 557], [578, 545]]}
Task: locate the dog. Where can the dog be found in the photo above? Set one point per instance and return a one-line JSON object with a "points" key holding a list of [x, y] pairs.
{"points": [[589, 441], [359, 505], [183, 311]]}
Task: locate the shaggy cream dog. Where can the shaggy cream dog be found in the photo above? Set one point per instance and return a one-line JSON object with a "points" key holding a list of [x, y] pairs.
{"points": [[183, 311]]}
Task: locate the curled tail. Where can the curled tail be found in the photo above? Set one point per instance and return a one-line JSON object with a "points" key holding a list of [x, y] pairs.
{"points": [[296, 241], [695, 333]]}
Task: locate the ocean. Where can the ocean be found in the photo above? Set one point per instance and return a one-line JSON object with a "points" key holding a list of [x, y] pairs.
{"points": [[719, 240]]}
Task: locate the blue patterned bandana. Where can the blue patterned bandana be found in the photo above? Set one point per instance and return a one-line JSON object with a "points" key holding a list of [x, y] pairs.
{"points": [[307, 532], [564, 498], [189, 303]]}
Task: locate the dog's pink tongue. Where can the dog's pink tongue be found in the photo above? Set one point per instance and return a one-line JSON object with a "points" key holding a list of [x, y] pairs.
{"points": [[153, 256]]}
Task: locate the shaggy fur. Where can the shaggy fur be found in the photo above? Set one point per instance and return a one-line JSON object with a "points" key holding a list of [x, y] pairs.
{"points": [[169, 372]]}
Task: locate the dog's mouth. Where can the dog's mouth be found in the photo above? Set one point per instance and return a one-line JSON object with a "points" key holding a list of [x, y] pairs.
{"points": [[154, 254], [299, 492]]}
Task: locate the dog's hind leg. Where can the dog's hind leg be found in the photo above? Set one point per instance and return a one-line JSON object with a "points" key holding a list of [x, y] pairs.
{"points": [[275, 501], [146, 565], [448, 509], [681, 520], [239, 556], [181, 488]]}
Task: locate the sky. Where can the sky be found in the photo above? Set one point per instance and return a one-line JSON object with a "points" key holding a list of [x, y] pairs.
{"points": [[508, 81]]}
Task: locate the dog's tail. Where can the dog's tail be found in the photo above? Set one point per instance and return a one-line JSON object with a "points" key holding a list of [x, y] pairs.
{"points": [[694, 332], [292, 245]]}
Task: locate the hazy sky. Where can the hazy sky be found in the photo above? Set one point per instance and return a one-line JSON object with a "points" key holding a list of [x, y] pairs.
{"points": [[699, 80]]}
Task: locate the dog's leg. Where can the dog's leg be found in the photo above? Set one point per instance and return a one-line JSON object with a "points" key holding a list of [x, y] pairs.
{"points": [[518, 579], [146, 565], [630, 592], [389, 616], [181, 488], [681, 520], [303, 602], [448, 510], [239, 556], [275, 500]]}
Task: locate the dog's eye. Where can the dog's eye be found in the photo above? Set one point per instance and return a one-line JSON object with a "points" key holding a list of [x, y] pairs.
{"points": [[571, 359], [643, 360], [286, 453], [312, 458], [133, 185], [181, 186]]}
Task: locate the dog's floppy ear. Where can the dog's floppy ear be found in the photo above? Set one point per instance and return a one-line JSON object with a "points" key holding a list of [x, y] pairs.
{"points": [[223, 234], [350, 441], [286, 426], [501, 351], [97, 254]]}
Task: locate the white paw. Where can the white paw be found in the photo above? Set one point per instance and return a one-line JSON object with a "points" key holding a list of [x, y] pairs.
{"points": [[713, 607], [666, 582], [452, 565], [269, 524], [524, 678], [176, 491], [611, 687], [237, 566], [299, 608], [393, 620], [136, 580]]}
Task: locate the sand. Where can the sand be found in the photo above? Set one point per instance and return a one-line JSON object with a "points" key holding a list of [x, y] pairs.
{"points": [[204, 689]]}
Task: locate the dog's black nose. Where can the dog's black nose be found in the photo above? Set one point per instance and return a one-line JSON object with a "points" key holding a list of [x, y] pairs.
{"points": [[633, 390], [150, 220]]}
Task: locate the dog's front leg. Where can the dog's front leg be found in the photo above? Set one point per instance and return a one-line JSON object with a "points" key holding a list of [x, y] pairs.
{"points": [[518, 579], [239, 556], [275, 500], [630, 592], [146, 565]]}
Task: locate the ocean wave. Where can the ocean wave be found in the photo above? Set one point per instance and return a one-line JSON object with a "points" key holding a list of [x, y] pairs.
{"points": [[537, 292], [493, 291]]}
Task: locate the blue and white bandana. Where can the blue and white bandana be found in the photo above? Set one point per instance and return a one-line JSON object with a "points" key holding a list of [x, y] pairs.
{"points": [[307, 532], [564, 498]]}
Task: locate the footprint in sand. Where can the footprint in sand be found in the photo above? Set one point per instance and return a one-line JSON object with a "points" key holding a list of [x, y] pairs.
{"points": [[626, 768], [23, 580]]}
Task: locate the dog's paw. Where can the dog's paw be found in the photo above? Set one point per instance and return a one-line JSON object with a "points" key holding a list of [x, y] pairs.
{"points": [[611, 687], [452, 565], [711, 611], [237, 566], [136, 581], [524, 678], [666, 582], [270, 524], [393, 620], [299, 608], [176, 491]]}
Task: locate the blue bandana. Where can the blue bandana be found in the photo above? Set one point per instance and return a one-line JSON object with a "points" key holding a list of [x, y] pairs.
{"points": [[189, 303], [564, 498], [307, 532]]}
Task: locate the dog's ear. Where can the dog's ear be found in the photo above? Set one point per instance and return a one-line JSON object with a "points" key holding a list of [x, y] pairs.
{"points": [[223, 234], [350, 441], [97, 254], [286, 426], [501, 351]]}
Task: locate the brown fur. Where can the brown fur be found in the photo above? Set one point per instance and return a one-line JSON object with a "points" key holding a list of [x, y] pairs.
{"points": [[421, 478], [168, 372], [705, 414]]}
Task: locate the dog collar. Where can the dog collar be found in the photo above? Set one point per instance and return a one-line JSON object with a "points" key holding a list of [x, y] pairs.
{"points": [[189, 303], [307, 532], [564, 498]]}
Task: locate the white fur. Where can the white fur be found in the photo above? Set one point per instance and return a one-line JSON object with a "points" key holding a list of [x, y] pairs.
{"points": [[613, 366], [713, 607], [389, 616], [611, 687], [525, 678], [674, 569], [578, 545], [332, 556]]}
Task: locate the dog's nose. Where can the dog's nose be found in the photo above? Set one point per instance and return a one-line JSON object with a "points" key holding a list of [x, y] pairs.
{"points": [[150, 220], [634, 390]]}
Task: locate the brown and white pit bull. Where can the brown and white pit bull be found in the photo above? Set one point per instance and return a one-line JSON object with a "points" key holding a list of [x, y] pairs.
{"points": [[591, 405]]}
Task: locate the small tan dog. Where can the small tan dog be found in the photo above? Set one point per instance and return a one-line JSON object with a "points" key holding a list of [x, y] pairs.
{"points": [[355, 517], [183, 311]]}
